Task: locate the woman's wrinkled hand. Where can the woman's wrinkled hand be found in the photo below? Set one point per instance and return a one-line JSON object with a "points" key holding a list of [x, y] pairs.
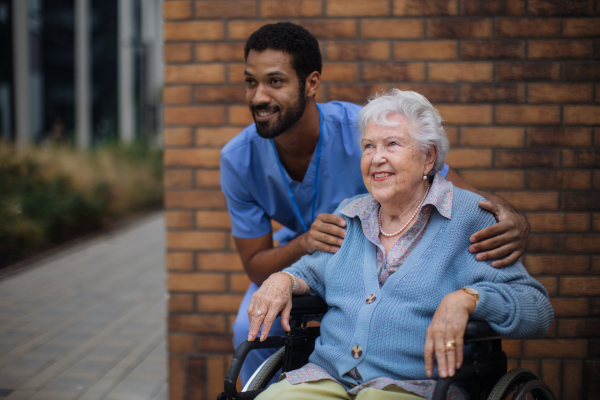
{"points": [[445, 335], [273, 296]]}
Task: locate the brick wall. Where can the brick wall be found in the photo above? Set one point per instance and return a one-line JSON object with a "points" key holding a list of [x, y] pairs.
{"points": [[518, 83]]}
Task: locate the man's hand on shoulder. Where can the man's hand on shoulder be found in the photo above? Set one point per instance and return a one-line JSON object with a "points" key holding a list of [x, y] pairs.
{"points": [[326, 234], [504, 241]]}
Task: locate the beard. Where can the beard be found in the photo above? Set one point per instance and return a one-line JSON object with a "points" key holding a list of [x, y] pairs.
{"points": [[285, 120]]}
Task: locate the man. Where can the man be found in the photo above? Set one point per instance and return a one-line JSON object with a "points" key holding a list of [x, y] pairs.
{"points": [[299, 161]]}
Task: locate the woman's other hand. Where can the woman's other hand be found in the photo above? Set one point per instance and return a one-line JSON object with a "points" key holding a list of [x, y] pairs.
{"points": [[505, 241], [445, 335]]}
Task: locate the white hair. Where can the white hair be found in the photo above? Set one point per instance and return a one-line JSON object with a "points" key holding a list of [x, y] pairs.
{"points": [[425, 123]]}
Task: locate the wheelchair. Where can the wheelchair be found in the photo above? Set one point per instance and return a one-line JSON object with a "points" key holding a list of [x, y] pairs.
{"points": [[486, 370]]}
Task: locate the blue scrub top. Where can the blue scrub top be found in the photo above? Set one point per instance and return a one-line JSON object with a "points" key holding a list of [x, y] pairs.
{"points": [[254, 188]]}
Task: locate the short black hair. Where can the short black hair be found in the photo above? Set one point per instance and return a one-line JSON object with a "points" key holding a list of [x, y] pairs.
{"points": [[292, 39]]}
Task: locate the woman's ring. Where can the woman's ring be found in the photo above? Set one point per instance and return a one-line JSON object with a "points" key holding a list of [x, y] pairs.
{"points": [[450, 344], [258, 313]]}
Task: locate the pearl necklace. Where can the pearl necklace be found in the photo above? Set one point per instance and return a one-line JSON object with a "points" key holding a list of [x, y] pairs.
{"points": [[405, 225]]}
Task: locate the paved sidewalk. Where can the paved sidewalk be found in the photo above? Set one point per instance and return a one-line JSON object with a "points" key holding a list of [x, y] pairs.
{"points": [[88, 323]]}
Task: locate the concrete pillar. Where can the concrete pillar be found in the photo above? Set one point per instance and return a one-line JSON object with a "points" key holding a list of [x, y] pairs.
{"points": [[126, 106], [83, 102], [22, 66]]}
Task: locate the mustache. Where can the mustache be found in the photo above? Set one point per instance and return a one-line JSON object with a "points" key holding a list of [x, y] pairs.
{"points": [[263, 107]]}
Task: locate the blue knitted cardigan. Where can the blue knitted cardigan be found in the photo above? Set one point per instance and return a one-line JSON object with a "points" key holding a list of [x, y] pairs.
{"points": [[391, 330]]}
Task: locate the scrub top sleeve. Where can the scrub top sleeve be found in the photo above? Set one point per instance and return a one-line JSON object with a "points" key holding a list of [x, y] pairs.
{"points": [[444, 171], [248, 219]]}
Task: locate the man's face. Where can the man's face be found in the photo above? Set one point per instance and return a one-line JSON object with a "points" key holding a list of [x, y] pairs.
{"points": [[273, 92]]}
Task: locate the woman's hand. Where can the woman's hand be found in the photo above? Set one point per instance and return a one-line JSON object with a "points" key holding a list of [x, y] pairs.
{"points": [[274, 295], [445, 335]]}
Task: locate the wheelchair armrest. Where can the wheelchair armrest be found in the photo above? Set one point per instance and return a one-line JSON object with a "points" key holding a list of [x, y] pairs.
{"points": [[238, 360], [308, 305], [479, 330]]}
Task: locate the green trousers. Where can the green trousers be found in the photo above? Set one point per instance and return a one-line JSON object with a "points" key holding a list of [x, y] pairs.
{"points": [[329, 389]]}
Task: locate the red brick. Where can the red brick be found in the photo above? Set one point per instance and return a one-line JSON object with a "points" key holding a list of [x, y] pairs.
{"points": [[492, 7], [215, 137], [531, 201], [459, 28], [580, 286], [595, 264], [197, 323], [527, 115], [425, 50], [559, 222], [425, 7], [177, 95], [240, 115], [494, 179], [558, 179], [235, 73], [178, 219], [559, 93], [213, 220], [520, 158], [549, 283], [373, 50], [177, 179], [469, 158], [197, 115], [241, 29], [177, 376], [181, 344], [215, 376], [582, 115], [208, 179], [581, 201], [193, 240], [537, 243], [581, 27], [193, 30], [213, 94], [177, 10], [357, 8], [561, 8], [393, 72], [204, 73], [356, 92], [557, 265], [216, 344], [197, 378], [488, 49], [336, 72], [559, 49], [330, 28], [391, 28], [452, 133], [527, 71], [434, 92], [551, 374], [582, 71], [177, 137], [581, 244], [596, 180], [466, 114], [572, 380], [290, 8], [198, 282], [219, 52], [575, 328], [460, 72], [493, 93], [569, 307], [219, 302], [558, 348], [573, 158], [591, 383], [192, 157], [177, 52], [225, 9], [526, 28], [532, 365], [181, 302], [220, 262], [180, 261], [239, 282], [494, 136], [512, 347], [559, 137]]}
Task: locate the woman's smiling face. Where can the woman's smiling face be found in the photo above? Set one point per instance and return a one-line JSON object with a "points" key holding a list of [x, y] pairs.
{"points": [[392, 162]]}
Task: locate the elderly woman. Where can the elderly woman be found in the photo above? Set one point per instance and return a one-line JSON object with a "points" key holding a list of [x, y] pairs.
{"points": [[402, 286]]}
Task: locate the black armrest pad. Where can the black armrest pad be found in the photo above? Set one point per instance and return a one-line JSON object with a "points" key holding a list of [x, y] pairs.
{"points": [[479, 330], [308, 305]]}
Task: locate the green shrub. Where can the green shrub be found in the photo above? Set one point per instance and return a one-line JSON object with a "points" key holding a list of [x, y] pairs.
{"points": [[48, 196]]}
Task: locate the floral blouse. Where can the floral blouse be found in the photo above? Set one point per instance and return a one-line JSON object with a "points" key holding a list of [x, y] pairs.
{"points": [[366, 209]]}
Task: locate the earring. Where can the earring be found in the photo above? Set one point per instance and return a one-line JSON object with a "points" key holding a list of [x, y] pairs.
{"points": [[424, 177]]}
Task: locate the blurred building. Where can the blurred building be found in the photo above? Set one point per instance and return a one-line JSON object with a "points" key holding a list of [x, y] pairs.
{"points": [[80, 71]]}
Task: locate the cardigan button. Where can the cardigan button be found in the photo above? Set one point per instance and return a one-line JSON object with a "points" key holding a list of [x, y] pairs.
{"points": [[371, 299], [356, 351]]}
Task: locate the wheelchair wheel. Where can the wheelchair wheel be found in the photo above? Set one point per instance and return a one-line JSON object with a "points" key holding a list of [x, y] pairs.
{"points": [[265, 372], [521, 384]]}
